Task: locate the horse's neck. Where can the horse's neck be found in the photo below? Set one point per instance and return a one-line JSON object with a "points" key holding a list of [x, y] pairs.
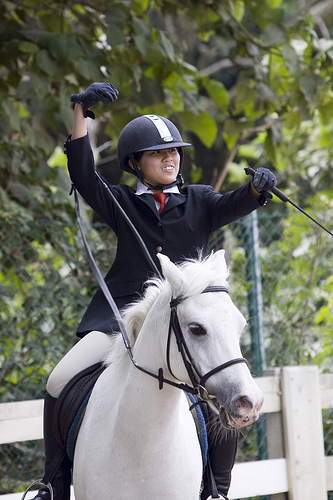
{"points": [[138, 388], [123, 396], [131, 388]]}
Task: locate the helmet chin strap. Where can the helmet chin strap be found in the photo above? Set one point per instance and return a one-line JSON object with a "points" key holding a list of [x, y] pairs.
{"points": [[159, 187]]}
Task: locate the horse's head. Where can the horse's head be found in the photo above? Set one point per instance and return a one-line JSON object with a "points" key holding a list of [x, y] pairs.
{"points": [[211, 326]]}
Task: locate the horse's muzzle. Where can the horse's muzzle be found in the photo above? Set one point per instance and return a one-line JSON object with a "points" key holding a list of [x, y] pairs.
{"points": [[243, 411]]}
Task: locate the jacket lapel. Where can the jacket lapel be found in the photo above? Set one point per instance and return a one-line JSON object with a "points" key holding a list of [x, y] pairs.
{"points": [[174, 200], [147, 199]]}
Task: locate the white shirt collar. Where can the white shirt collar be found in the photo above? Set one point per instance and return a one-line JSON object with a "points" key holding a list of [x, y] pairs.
{"points": [[142, 189]]}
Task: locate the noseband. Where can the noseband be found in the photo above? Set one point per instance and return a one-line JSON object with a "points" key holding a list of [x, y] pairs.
{"points": [[198, 381]]}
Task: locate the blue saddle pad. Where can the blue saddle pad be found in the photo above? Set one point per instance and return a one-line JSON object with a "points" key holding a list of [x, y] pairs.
{"points": [[200, 423], [74, 428]]}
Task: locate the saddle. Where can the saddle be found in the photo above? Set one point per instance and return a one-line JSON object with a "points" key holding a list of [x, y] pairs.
{"points": [[71, 404], [73, 400]]}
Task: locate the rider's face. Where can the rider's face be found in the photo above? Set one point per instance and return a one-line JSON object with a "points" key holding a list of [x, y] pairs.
{"points": [[160, 166]]}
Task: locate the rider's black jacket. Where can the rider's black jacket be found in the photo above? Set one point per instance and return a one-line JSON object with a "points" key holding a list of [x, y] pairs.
{"points": [[183, 227]]}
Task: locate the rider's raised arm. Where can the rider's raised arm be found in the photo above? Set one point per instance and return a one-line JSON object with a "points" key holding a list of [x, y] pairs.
{"points": [[79, 123]]}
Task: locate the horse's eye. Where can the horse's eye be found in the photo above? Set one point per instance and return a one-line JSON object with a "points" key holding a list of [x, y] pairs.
{"points": [[197, 329]]}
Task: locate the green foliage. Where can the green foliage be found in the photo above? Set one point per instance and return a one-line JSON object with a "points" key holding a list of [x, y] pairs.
{"points": [[298, 298], [184, 61], [45, 284], [247, 77]]}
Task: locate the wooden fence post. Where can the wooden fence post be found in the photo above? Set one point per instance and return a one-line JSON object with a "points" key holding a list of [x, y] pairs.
{"points": [[303, 433]]}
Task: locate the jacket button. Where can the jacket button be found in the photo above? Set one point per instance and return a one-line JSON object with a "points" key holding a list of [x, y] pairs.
{"points": [[159, 224], [159, 249]]}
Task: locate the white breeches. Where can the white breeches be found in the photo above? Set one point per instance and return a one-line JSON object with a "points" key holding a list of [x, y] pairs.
{"points": [[89, 350]]}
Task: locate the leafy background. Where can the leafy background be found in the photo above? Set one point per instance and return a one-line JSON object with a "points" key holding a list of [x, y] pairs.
{"points": [[248, 82]]}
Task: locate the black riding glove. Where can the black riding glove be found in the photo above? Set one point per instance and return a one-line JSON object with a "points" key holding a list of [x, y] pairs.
{"points": [[104, 92], [263, 180]]}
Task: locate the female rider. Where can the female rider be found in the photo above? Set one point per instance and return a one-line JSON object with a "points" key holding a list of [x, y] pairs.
{"points": [[150, 147]]}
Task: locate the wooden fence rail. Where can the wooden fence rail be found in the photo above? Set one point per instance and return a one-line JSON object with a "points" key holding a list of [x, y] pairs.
{"points": [[297, 465]]}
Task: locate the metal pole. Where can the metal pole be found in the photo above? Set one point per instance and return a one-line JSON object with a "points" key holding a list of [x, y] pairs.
{"points": [[255, 300], [256, 322]]}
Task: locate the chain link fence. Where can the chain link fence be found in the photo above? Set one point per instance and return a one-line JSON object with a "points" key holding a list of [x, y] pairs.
{"points": [[281, 280]]}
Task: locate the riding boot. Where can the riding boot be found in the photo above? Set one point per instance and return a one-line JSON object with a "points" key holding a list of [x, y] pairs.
{"points": [[61, 480], [222, 456]]}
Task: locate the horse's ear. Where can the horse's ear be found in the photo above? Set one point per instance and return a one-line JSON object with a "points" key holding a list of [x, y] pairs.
{"points": [[171, 272], [219, 256], [217, 260]]}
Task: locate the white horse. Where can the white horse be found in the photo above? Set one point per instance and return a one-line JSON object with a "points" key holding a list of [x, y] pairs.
{"points": [[137, 441]]}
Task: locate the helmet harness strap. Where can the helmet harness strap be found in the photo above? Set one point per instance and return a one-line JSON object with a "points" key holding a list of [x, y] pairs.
{"points": [[136, 170]]}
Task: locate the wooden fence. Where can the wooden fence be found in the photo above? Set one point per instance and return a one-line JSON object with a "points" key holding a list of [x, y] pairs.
{"points": [[297, 465]]}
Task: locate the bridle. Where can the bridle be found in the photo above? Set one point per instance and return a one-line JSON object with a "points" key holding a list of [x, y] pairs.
{"points": [[198, 381]]}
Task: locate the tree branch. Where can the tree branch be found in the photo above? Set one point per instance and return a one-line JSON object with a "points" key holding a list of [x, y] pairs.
{"points": [[226, 63]]}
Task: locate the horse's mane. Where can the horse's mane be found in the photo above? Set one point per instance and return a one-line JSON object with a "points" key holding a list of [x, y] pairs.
{"points": [[197, 273]]}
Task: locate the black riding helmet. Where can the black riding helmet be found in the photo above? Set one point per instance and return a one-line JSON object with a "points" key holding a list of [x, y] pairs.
{"points": [[147, 133]]}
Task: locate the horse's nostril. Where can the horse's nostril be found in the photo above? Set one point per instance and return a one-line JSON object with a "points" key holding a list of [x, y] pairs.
{"points": [[249, 401], [244, 403]]}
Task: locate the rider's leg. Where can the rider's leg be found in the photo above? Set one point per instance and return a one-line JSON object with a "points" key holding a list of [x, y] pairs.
{"points": [[88, 351], [62, 479], [222, 458], [222, 454]]}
